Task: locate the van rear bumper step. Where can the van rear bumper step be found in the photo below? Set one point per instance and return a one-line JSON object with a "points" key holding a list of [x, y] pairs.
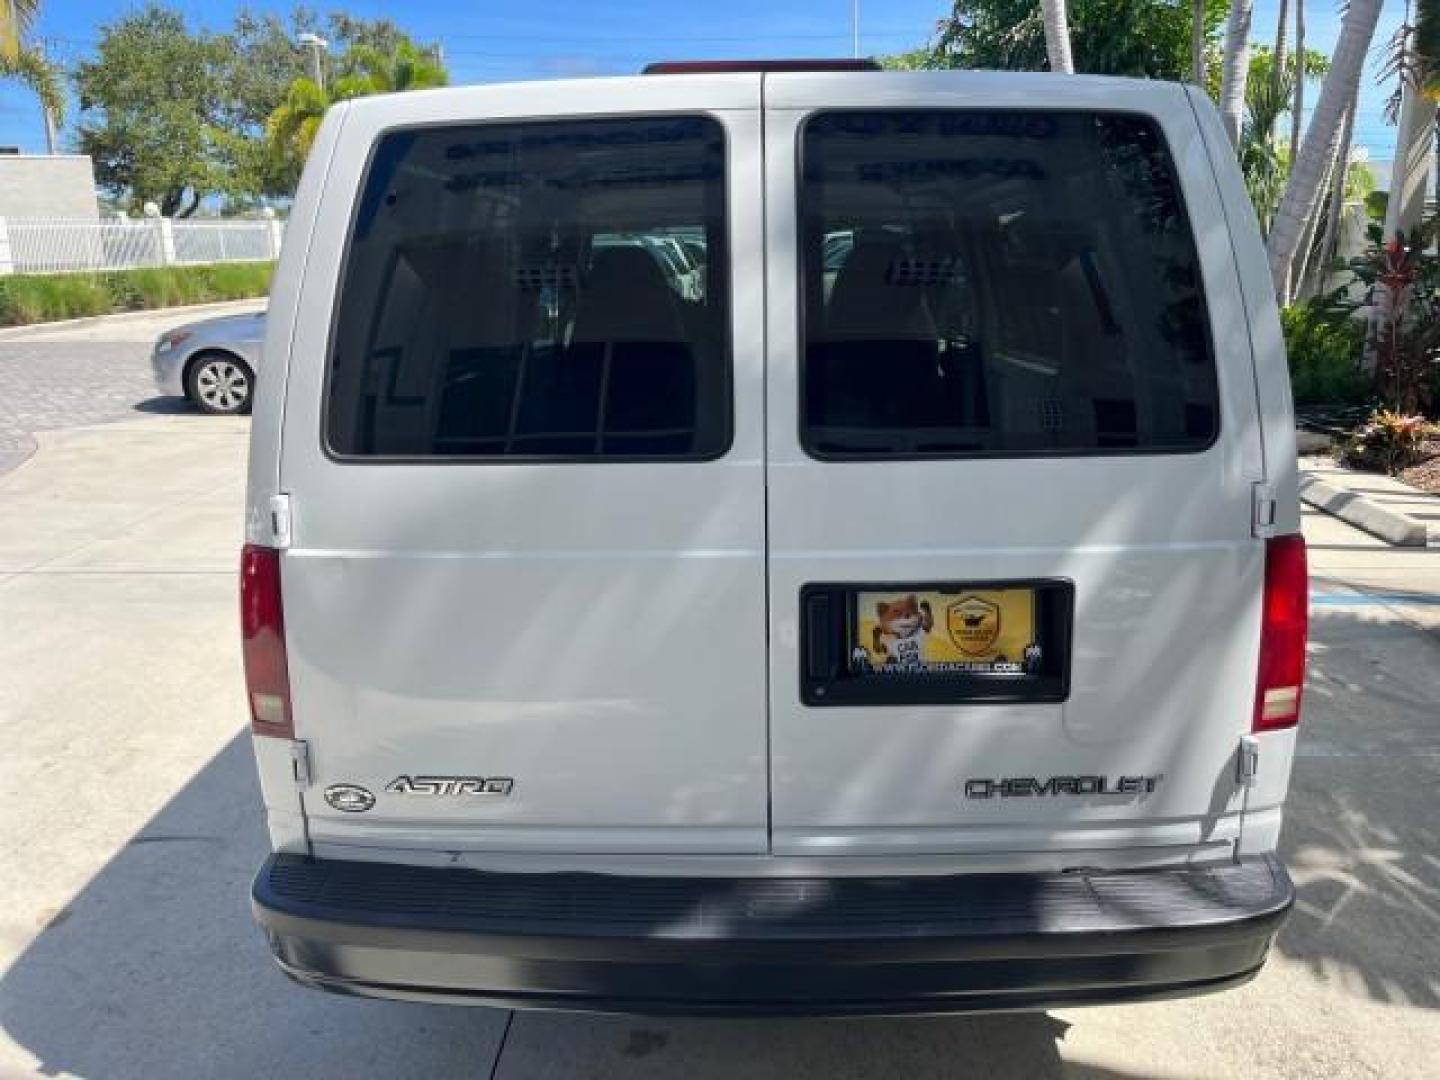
{"points": [[769, 946]]}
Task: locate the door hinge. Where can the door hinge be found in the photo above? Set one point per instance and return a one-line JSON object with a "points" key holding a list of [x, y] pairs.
{"points": [[1247, 763], [300, 763], [1263, 507], [280, 520]]}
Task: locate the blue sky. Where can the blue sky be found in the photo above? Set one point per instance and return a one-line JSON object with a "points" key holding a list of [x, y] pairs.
{"points": [[495, 40]]}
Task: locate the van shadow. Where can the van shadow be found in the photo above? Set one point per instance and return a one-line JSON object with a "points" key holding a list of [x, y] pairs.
{"points": [[1018, 1046], [156, 970]]}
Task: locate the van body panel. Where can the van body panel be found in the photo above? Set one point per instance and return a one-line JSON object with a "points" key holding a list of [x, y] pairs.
{"points": [[629, 736], [593, 633], [1264, 811], [1166, 572], [1265, 800], [1262, 317], [285, 815], [263, 475]]}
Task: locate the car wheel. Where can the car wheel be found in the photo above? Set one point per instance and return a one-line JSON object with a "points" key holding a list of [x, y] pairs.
{"points": [[220, 384]]}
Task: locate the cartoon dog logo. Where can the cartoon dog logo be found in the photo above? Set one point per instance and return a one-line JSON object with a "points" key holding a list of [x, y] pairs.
{"points": [[901, 627]]}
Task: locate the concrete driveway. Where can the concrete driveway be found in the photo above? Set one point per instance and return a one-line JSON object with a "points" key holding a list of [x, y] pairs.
{"points": [[131, 827]]}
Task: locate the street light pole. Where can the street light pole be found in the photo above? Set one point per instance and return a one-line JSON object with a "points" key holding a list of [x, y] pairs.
{"points": [[855, 28], [316, 45]]}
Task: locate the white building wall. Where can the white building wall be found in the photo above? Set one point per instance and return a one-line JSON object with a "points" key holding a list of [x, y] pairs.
{"points": [[47, 185]]}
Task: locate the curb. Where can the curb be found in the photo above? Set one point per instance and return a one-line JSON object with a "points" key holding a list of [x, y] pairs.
{"points": [[10, 333], [1389, 525]]}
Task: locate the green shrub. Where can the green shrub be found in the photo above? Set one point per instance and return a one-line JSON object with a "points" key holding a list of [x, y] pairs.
{"points": [[33, 298], [36, 298], [1325, 345], [1388, 442]]}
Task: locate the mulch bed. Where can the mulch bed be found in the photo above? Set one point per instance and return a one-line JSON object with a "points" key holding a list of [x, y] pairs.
{"points": [[1425, 475]]}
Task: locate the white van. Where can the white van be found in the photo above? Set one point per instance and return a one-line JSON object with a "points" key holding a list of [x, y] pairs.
{"points": [[776, 541]]}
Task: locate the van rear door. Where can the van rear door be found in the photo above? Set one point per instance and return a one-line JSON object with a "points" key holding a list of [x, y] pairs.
{"points": [[1012, 441], [524, 594]]}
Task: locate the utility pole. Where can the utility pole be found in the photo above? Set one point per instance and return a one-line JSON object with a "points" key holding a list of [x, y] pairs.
{"points": [[316, 45]]}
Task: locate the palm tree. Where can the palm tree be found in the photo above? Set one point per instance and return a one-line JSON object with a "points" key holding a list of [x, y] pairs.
{"points": [[1198, 42], [1057, 36], [1322, 141], [290, 131], [1319, 258], [1426, 46], [408, 67], [1235, 67], [1427, 49], [30, 67], [17, 17], [1299, 107], [1282, 33], [1416, 61]]}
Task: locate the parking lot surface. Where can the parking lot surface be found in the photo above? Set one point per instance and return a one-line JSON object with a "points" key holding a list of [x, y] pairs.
{"points": [[131, 826], [83, 372]]}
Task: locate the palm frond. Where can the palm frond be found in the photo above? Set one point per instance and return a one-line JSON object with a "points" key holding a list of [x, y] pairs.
{"points": [[291, 128], [43, 77], [17, 18]]}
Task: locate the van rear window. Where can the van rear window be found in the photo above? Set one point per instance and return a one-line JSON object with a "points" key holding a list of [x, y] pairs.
{"points": [[539, 290], [997, 283]]}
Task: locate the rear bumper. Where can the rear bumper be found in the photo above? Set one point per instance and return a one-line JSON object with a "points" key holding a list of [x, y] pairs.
{"points": [[769, 946]]}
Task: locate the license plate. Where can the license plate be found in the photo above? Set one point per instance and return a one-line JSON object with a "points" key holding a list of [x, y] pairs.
{"points": [[903, 633]]}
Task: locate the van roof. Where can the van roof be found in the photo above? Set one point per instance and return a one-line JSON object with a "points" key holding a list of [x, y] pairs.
{"points": [[875, 87]]}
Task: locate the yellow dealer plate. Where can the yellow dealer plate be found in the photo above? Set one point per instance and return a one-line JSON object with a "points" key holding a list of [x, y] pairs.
{"points": [[917, 632]]}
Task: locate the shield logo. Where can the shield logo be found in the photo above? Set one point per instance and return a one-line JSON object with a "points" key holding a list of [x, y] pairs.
{"points": [[974, 624]]}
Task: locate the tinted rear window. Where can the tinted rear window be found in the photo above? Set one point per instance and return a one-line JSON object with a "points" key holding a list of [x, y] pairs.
{"points": [[998, 283], [551, 290]]}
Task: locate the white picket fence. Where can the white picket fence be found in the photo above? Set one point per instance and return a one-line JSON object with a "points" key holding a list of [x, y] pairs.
{"points": [[59, 245]]}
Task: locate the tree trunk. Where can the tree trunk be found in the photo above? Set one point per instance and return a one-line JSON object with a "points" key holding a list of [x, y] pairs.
{"points": [[1235, 67], [1057, 36], [1410, 174], [1322, 139], [1324, 255], [1299, 107], [1197, 43], [1281, 55], [1306, 247]]}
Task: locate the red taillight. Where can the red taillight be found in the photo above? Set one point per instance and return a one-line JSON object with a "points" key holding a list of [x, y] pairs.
{"points": [[1283, 624], [262, 634]]}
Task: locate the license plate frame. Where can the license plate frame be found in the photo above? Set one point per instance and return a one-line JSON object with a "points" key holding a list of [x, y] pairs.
{"points": [[965, 642]]}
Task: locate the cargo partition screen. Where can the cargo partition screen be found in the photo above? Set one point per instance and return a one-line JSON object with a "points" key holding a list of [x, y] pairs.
{"points": [[935, 643]]}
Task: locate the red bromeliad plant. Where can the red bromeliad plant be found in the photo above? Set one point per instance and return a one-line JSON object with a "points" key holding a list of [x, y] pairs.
{"points": [[1407, 343]]}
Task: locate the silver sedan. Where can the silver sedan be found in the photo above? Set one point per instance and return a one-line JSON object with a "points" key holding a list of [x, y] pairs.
{"points": [[213, 362]]}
